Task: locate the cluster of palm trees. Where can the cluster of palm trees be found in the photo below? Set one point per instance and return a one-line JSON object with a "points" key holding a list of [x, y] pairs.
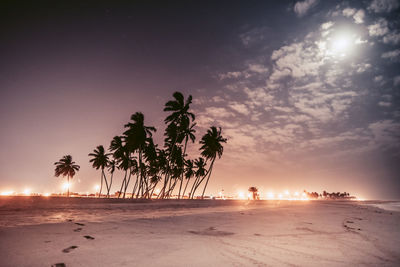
{"points": [[146, 167]]}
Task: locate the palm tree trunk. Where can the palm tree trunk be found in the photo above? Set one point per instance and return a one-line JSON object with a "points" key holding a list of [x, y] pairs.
{"points": [[111, 180], [209, 174], [127, 183], [101, 184], [202, 179], [184, 152], [105, 179], [184, 190], [135, 186], [68, 186], [122, 184], [193, 186]]}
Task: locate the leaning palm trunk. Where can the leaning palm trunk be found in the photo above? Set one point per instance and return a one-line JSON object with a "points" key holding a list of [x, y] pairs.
{"points": [[101, 185], [180, 187], [109, 188], [105, 180], [184, 190], [210, 171], [202, 179], [127, 183], [123, 184], [191, 193]]}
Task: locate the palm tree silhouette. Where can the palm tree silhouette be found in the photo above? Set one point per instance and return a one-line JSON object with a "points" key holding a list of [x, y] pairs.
{"points": [[137, 137], [201, 171], [66, 167], [189, 173], [111, 168], [180, 109], [187, 133], [211, 148], [100, 161], [177, 130], [254, 191]]}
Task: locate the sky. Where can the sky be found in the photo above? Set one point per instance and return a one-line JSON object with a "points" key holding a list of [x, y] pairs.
{"points": [[307, 92]]}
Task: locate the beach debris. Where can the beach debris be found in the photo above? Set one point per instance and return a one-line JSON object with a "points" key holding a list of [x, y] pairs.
{"points": [[80, 224], [77, 229], [88, 237], [61, 264], [69, 249]]}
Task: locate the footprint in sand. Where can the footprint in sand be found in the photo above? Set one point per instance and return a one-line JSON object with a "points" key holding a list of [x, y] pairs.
{"points": [[61, 264], [211, 231], [80, 224], [77, 229], [69, 249], [88, 237]]}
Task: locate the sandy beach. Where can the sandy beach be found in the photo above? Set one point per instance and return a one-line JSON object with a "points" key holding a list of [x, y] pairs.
{"points": [[36, 231]]}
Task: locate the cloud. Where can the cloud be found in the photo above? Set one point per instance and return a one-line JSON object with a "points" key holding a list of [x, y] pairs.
{"points": [[257, 68], [254, 36], [386, 133], [302, 7], [230, 75], [381, 6], [348, 12], [359, 16], [380, 28], [218, 112], [327, 25], [392, 55], [392, 38], [240, 108], [396, 80], [384, 104], [378, 78]]}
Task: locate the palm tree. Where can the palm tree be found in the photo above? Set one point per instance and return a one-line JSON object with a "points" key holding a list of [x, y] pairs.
{"points": [[111, 168], [187, 133], [211, 148], [189, 173], [100, 161], [200, 172], [180, 114], [66, 167], [137, 137], [254, 191], [178, 121]]}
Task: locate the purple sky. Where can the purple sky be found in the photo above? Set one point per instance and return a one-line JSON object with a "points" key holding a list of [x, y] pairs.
{"points": [[306, 92]]}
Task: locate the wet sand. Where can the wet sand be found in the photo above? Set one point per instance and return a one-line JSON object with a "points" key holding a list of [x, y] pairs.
{"points": [[37, 231]]}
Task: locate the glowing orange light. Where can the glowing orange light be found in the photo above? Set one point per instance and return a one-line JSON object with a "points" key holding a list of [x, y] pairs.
{"points": [[7, 193]]}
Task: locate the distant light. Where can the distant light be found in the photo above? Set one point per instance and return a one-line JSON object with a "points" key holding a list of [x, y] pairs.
{"points": [[157, 190], [270, 195], [303, 194], [66, 186], [27, 192], [296, 194], [280, 196], [97, 187], [241, 195], [286, 192], [46, 194], [7, 193]]}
